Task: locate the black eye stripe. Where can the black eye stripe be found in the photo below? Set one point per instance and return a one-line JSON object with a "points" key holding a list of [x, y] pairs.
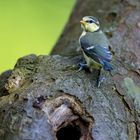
{"points": [[92, 21], [93, 18]]}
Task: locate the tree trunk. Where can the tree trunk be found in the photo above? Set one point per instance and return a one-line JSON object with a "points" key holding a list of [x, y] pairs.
{"points": [[45, 98]]}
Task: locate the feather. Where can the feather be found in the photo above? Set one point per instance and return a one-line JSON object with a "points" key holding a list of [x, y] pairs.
{"points": [[97, 50]]}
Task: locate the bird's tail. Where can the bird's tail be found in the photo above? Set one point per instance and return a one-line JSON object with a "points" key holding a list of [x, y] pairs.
{"points": [[107, 66]]}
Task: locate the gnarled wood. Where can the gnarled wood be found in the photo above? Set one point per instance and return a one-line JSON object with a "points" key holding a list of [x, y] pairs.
{"points": [[30, 93]]}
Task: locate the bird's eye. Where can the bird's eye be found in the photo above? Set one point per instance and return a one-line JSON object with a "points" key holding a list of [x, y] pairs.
{"points": [[90, 21]]}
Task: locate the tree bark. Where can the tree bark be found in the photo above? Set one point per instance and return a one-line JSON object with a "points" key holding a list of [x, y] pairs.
{"points": [[44, 97]]}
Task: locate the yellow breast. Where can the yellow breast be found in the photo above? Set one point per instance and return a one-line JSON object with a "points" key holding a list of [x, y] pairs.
{"points": [[91, 63]]}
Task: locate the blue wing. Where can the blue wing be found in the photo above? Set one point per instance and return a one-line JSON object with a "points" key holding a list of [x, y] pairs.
{"points": [[99, 54], [102, 53]]}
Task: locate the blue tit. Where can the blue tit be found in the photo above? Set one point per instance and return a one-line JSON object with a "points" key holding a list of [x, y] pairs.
{"points": [[95, 47]]}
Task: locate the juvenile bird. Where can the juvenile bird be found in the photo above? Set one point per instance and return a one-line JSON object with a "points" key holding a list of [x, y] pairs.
{"points": [[95, 47]]}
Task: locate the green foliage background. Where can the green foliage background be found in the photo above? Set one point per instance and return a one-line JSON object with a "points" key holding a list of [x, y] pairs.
{"points": [[30, 26]]}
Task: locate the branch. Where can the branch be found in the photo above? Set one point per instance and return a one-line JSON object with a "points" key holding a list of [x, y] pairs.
{"points": [[44, 97]]}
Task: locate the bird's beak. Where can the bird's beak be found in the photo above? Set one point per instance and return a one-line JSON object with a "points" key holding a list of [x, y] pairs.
{"points": [[82, 22]]}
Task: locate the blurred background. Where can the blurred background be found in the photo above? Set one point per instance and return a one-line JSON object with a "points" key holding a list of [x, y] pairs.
{"points": [[30, 26]]}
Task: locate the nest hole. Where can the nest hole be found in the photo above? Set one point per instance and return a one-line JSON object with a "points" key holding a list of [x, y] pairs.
{"points": [[69, 133]]}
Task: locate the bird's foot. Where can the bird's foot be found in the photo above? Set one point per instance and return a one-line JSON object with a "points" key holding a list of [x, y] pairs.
{"points": [[82, 66], [100, 80]]}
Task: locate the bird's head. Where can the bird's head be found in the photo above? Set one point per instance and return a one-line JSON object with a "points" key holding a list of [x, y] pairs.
{"points": [[90, 24]]}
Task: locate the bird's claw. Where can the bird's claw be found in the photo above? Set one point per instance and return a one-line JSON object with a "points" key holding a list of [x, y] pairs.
{"points": [[100, 80], [82, 66]]}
